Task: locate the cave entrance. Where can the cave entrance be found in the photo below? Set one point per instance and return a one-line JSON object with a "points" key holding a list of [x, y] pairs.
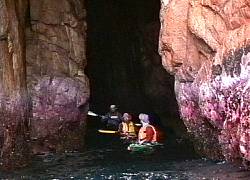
{"points": [[124, 66]]}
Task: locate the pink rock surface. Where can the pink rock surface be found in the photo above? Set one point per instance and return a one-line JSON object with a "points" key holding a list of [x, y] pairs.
{"points": [[205, 44]]}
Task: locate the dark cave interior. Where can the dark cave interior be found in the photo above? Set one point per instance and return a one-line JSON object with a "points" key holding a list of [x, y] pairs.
{"points": [[124, 66]]}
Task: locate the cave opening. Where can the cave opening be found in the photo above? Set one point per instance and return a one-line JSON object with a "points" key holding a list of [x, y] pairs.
{"points": [[124, 66], [44, 90]]}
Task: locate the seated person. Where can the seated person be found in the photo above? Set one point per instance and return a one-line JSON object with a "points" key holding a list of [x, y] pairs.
{"points": [[147, 133], [127, 127], [112, 119]]}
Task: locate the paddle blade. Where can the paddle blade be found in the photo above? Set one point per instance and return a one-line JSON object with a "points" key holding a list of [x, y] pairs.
{"points": [[107, 131], [90, 113]]}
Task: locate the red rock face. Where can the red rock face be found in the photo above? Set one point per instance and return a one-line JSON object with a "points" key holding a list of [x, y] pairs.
{"points": [[205, 44], [43, 89], [55, 73], [158, 83]]}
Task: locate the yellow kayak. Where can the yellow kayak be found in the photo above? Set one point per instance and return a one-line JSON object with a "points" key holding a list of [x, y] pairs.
{"points": [[107, 131]]}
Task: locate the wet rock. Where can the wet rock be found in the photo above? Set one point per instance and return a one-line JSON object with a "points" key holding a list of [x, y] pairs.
{"points": [[211, 37], [56, 59], [59, 111], [43, 89]]}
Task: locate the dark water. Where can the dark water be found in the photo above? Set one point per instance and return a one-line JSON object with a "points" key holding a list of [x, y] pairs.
{"points": [[107, 158]]}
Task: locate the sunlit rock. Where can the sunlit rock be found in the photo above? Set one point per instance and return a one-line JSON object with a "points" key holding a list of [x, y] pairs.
{"points": [[205, 44]]}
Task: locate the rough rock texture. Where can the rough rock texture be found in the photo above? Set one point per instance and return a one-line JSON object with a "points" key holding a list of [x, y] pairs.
{"points": [[59, 114], [55, 73], [14, 100], [158, 84], [205, 44], [44, 91]]}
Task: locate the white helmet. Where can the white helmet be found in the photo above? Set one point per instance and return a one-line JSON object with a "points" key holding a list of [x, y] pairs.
{"points": [[144, 118], [127, 116], [113, 106]]}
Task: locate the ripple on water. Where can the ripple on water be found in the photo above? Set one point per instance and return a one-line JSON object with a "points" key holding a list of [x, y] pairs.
{"points": [[113, 164]]}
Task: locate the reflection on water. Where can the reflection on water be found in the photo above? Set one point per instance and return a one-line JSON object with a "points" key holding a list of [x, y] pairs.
{"points": [[110, 160]]}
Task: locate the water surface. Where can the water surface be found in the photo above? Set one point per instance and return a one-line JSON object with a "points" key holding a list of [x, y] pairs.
{"points": [[107, 158]]}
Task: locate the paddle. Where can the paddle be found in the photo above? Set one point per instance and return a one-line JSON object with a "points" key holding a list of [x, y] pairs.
{"points": [[90, 113], [107, 131]]}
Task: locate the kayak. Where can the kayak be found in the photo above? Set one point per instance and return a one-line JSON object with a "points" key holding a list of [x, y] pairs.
{"points": [[128, 139], [146, 148], [107, 131]]}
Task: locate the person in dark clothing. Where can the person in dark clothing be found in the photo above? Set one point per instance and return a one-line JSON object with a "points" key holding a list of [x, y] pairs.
{"points": [[112, 119]]}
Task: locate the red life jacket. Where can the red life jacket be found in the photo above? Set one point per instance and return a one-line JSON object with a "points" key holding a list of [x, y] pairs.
{"points": [[143, 133]]}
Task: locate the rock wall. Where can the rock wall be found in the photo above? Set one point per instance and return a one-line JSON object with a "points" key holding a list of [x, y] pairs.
{"points": [[158, 84], [56, 59], [14, 98], [205, 44], [44, 91]]}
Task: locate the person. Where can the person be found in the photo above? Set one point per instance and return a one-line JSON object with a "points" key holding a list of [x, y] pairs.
{"points": [[127, 127], [147, 133], [113, 118]]}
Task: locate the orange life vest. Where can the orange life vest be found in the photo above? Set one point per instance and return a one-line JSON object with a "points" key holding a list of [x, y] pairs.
{"points": [[128, 128], [142, 133]]}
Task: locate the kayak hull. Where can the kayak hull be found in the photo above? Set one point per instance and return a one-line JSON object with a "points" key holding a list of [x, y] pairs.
{"points": [[147, 148]]}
